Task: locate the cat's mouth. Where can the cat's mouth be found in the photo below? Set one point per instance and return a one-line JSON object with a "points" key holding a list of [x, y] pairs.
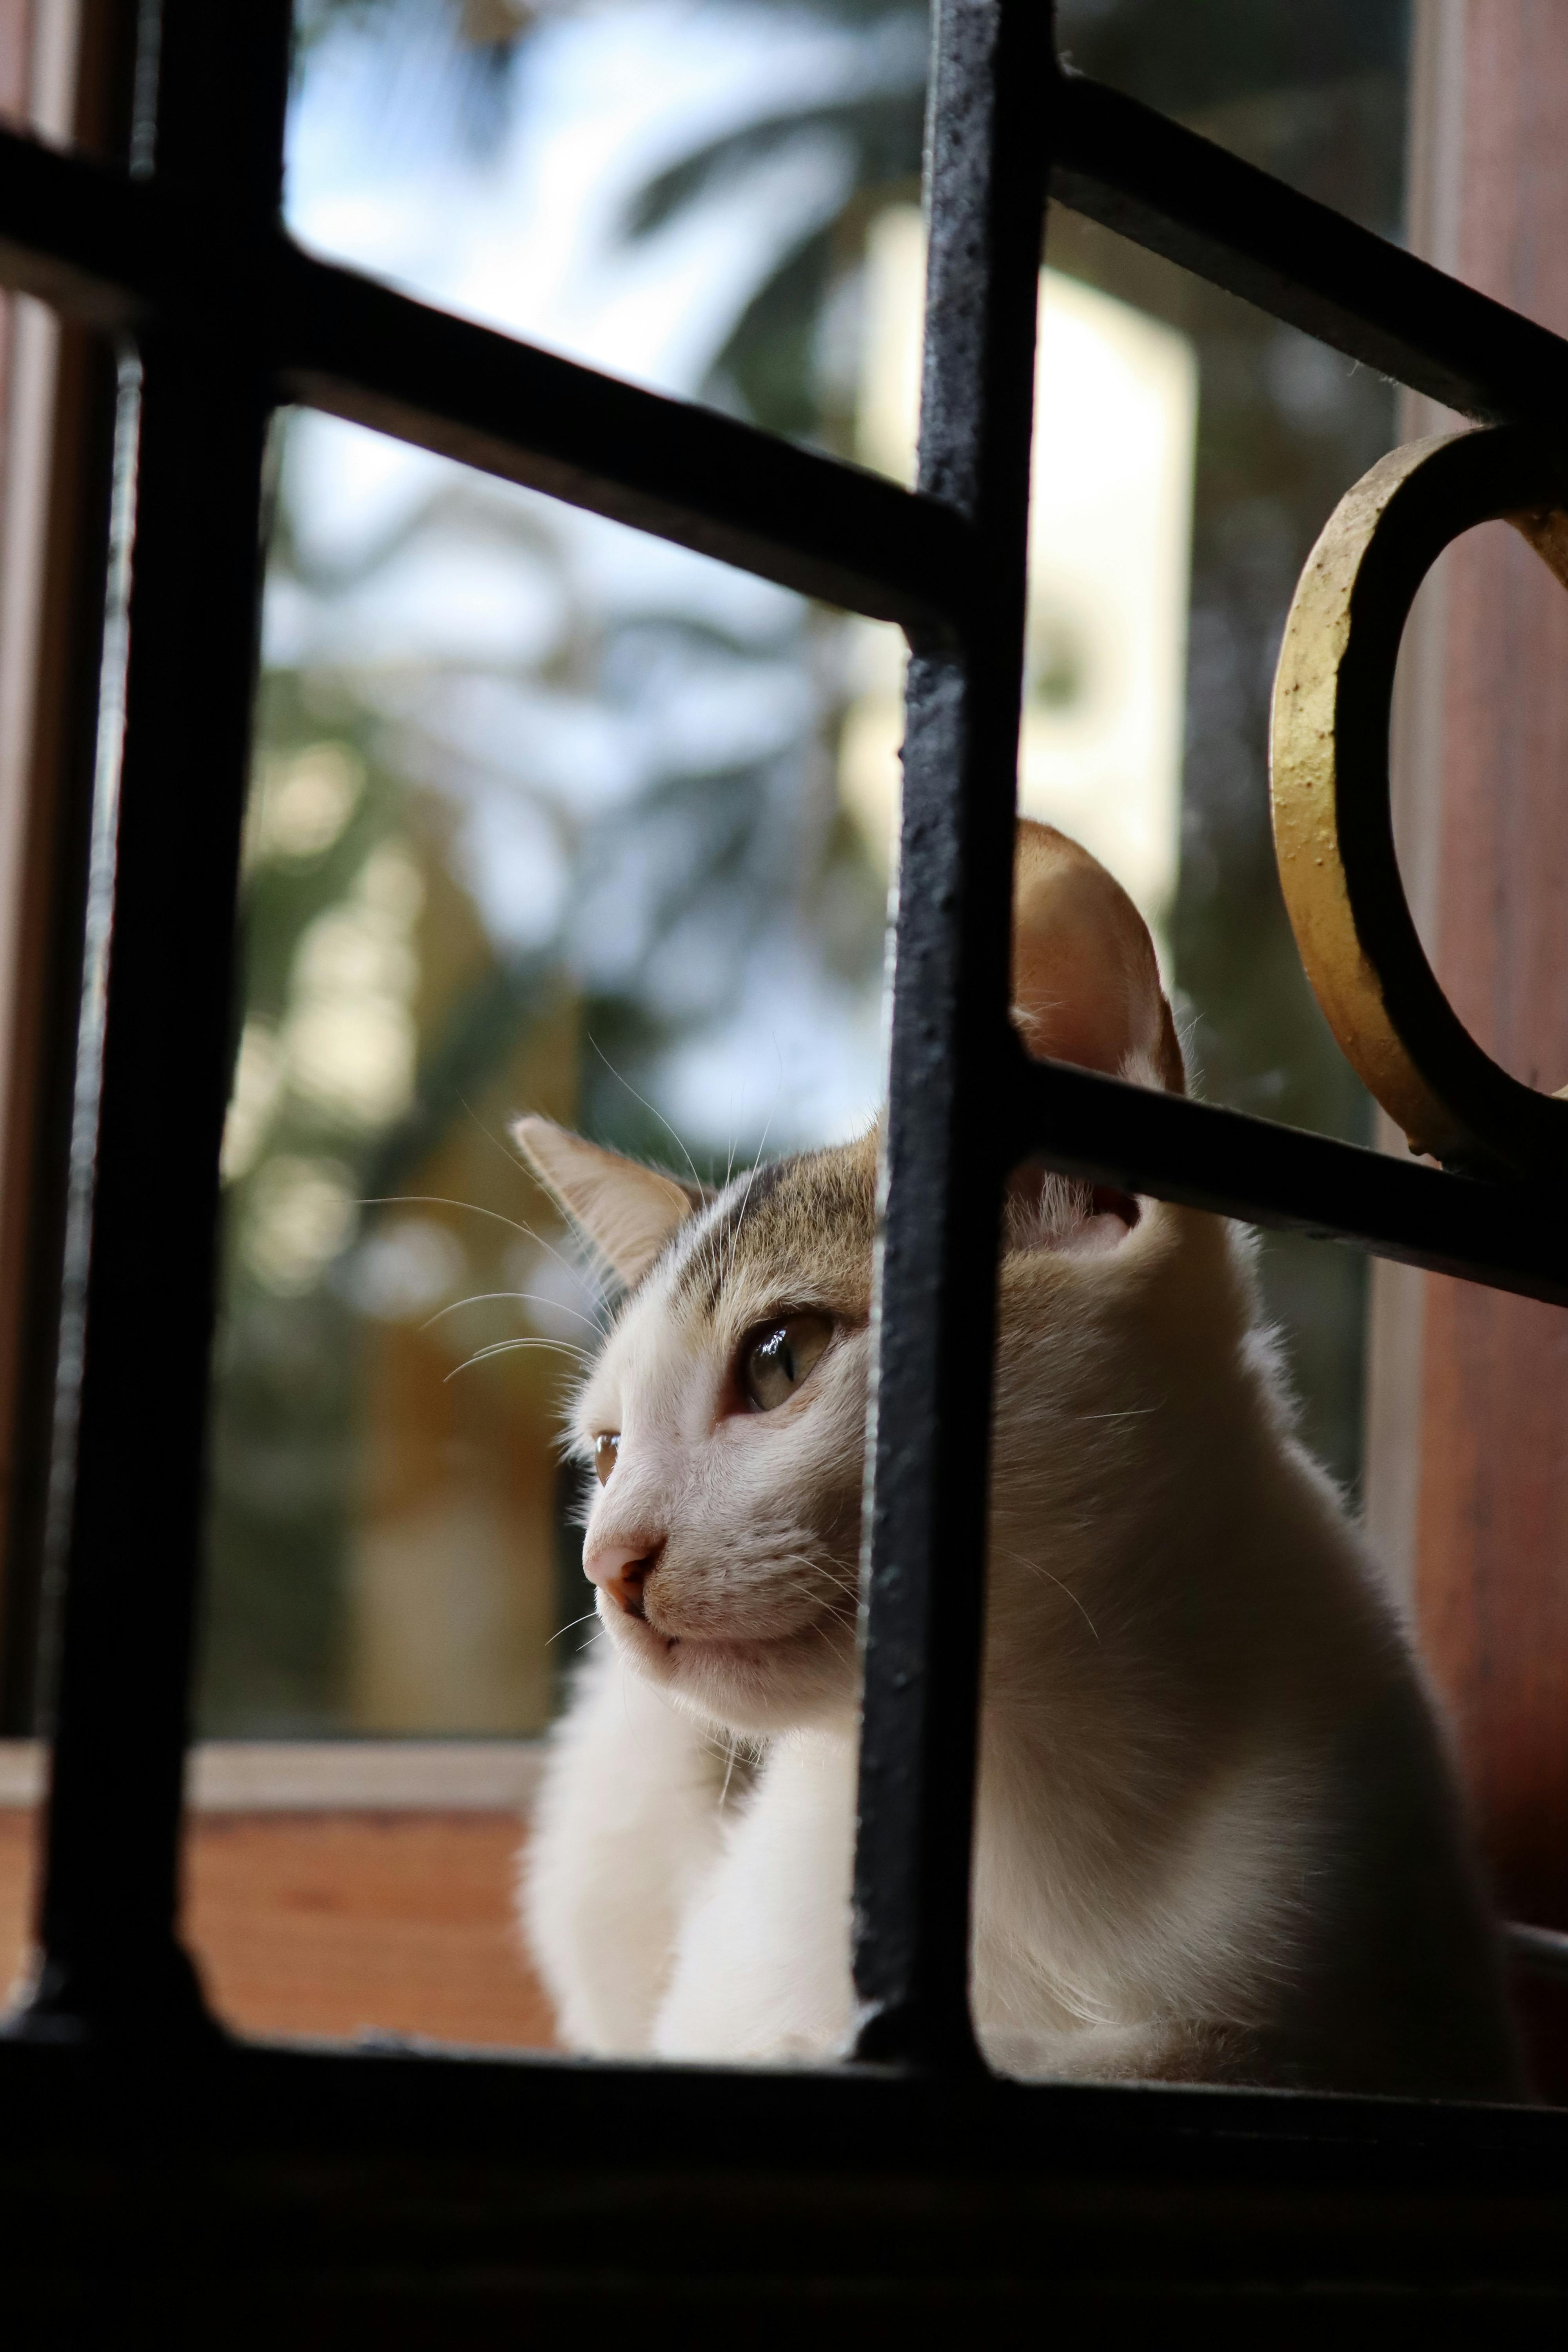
{"points": [[662, 1647]]}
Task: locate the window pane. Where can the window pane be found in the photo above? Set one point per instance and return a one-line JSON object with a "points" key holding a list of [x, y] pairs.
{"points": [[548, 816], [543, 819], [670, 190]]}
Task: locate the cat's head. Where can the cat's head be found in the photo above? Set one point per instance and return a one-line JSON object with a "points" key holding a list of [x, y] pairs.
{"points": [[725, 1416]]}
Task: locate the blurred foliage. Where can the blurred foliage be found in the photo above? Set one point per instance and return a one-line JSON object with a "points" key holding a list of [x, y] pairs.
{"points": [[1204, 53], [282, 1443], [670, 891]]}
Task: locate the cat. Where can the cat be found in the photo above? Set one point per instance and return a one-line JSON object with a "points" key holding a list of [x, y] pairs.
{"points": [[1217, 1835]]}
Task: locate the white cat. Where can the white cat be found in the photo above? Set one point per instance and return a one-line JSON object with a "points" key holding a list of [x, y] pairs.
{"points": [[1216, 1834]]}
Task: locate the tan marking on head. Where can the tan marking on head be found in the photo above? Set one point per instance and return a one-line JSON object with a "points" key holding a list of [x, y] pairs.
{"points": [[795, 1232]]}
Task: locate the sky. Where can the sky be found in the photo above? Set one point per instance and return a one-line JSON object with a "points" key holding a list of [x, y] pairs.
{"points": [[447, 596]]}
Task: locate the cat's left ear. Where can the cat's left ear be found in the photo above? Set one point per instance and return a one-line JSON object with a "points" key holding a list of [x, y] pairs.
{"points": [[627, 1210], [1085, 981]]}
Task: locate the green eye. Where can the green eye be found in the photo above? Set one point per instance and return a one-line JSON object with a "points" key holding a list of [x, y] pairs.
{"points": [[606, 1446], [778, 1359]]}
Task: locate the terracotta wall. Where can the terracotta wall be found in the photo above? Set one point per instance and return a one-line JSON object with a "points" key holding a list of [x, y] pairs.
{"points": [[1468, 1439]]}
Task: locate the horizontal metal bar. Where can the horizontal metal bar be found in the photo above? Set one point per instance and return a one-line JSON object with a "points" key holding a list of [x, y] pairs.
{"points": [[113, 250], [1507, 1236], [82, 235], [746, 2124], [1165, 187], [685, 473], [1539, 1951]]}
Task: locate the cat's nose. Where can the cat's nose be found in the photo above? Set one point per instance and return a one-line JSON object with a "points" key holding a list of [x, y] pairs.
{"points": [[622, 1569]]}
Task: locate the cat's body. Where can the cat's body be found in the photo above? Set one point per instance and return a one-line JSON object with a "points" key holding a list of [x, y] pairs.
{"points": [[1216, 1837]]}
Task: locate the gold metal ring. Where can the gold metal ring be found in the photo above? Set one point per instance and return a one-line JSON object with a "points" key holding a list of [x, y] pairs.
{"points": [[1333, 826]]}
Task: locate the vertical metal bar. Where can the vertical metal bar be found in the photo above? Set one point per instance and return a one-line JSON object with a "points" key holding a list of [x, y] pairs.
{"points": [[70, 592], [987, 170], [153, 1060]]}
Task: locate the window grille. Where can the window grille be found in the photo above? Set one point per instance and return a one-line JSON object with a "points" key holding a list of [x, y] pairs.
{"points": [[220, 317]]}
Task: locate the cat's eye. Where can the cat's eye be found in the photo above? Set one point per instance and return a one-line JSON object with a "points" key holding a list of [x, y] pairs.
{"points": [[779, 1357], [606, 1446]]}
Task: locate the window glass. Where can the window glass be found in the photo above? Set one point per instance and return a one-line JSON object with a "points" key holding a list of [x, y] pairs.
{"points": [[671, 190], [543, 819], [545, 816], [549, 816]]}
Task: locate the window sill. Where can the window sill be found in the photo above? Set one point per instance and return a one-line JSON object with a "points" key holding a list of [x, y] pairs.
{"points": [[289, 1776], [359, 1890]]}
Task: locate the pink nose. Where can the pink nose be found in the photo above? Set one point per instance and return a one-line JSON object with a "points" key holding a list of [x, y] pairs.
{"points": [[622, 1569]]}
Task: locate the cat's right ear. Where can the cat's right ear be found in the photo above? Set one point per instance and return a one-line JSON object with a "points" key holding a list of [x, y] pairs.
{"points": [[627, 1210], [1085, 981]]}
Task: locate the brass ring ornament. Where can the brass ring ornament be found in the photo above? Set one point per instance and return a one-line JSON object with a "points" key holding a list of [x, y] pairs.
{"points": [[1333, 825]]}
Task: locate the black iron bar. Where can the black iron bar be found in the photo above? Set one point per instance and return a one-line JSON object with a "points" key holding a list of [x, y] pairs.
{"points": [[935, 1313], [1508, 1235], [77, 232], [1163, 186], [663, 465], [80, 235], [153, 1082], [115, 251], [1537, 1951]]}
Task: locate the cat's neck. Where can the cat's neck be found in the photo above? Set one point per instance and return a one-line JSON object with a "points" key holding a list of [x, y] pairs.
{"points": [[1171, 1577]]}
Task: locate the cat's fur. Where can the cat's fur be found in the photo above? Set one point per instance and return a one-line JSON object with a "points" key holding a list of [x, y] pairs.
{"points": [[1218, 1836]]}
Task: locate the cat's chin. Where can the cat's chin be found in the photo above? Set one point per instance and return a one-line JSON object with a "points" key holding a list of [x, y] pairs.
{"points": [[789, 1682]]}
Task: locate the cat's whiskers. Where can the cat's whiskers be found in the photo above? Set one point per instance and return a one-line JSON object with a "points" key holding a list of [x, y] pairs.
{"points": [[507, 1347], [825, 1573], [440, 1200], [1071, 1595], [650, 1107], [572, 1628], [527, 1297]]}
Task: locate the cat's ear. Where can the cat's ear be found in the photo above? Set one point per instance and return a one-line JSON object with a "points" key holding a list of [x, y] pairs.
{"points": [[627, 1210], [1086, 982]]}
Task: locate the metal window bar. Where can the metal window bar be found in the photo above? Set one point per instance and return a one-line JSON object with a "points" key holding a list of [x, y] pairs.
{"points": [[222, 317]]}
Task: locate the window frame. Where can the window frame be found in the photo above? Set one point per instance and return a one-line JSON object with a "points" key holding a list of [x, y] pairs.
{"points": [[219, 318]]}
